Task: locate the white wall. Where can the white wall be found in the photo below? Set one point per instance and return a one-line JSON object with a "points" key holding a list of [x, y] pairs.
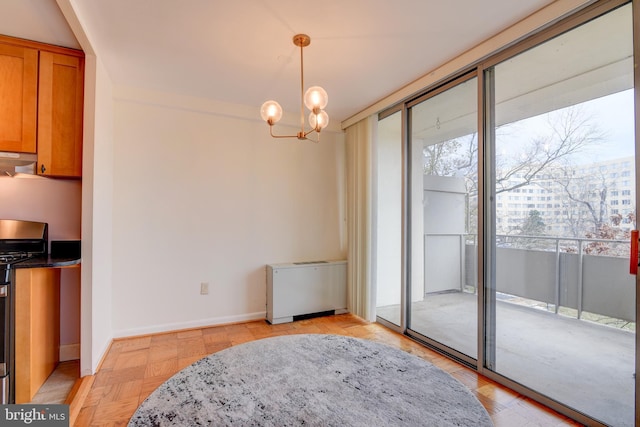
{"points": [[201, 196], [98, 217]]}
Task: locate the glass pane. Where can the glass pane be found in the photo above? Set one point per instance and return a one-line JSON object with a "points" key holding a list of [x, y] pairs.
{"points": [[564, 198], [444, 149], [389, 218]]}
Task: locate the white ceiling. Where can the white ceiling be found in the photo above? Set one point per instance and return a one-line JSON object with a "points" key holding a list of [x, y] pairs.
{"points": [[241, 51]]}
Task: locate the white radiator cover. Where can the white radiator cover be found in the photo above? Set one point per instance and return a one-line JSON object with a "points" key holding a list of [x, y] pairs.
{"points": [[297, 289]]}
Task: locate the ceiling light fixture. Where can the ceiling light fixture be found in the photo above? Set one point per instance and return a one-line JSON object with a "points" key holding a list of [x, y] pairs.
{"points": [[315, 98]]}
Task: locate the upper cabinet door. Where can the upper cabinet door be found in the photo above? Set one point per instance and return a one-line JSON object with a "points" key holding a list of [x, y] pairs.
{"points": [[60, 104], [18, 92]]}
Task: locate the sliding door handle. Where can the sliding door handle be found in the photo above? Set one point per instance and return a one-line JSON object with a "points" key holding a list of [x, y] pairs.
{"points": [[633, 257]]}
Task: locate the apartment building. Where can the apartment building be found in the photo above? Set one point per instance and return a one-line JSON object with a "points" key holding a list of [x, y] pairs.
{"points": [[571, 200]]}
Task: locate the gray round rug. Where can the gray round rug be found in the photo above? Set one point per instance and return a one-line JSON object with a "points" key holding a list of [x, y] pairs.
{"points": [[311, 380]]}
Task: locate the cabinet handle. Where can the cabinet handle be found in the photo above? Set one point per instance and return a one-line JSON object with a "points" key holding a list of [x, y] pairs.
{"points": [[42, 169]]}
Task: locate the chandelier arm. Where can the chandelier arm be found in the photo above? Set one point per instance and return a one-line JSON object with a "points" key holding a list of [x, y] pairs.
{"points": [[301, 135], [280, 136], [309, 133]]}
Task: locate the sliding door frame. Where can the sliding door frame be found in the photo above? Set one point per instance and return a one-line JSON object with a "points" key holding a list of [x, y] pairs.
{"points": [[404, 271], [636, 96], [486, 226], [440, 347]]}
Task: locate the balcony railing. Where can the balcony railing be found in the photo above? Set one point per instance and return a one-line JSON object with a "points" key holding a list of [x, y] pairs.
{"points": [[553, 270]]}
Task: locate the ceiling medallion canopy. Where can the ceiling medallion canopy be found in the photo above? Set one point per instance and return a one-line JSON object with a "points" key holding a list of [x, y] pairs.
{"points": [[315, 99]]}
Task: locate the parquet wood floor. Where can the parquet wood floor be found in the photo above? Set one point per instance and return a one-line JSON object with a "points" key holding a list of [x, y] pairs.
{"points": [[134, 367]]}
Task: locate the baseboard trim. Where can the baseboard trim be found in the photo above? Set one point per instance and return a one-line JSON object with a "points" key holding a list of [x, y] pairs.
{"points": [[77, 397], [171, 327], [69, 352]]}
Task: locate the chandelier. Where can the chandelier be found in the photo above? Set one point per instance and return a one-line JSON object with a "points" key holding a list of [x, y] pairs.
{"points": [[315, 99]]}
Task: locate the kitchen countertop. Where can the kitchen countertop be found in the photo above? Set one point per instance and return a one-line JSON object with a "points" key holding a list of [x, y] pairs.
{"points": [[48, 261]]}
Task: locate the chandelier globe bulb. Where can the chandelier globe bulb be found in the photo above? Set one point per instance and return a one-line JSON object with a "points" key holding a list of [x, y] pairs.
{"points": [[271, 112], [319, 121], [316, 98]]}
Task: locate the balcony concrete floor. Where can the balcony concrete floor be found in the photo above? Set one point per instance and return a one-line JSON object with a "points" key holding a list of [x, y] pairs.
{"points": [[586, 366]]}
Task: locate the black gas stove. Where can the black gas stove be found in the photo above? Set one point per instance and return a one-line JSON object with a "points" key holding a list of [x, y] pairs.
{"points": [[19, 241]]}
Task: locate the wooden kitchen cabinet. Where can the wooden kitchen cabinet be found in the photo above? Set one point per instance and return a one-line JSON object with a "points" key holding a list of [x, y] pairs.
{"points": [[37, 329], [18, 95], [60, 104], [41, 104]]}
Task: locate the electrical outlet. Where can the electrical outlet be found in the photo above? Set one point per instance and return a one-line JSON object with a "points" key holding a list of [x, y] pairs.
{"points": [[204, 288]]}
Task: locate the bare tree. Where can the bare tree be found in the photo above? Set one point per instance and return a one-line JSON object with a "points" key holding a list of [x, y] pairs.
{"points": [[569, 132], [454, 157], [587, 210], [583, 192], [525, 159]]}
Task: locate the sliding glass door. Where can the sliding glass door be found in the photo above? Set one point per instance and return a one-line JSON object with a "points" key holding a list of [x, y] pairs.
{"points": [[443, 217], [505, 203], [562, 302]]}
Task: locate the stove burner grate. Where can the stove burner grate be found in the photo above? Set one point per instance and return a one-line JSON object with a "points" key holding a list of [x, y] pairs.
{"points": [[9, 257]]}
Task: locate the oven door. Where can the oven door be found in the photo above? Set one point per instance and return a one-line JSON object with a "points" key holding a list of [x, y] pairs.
{"points": [[5, 335]]}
